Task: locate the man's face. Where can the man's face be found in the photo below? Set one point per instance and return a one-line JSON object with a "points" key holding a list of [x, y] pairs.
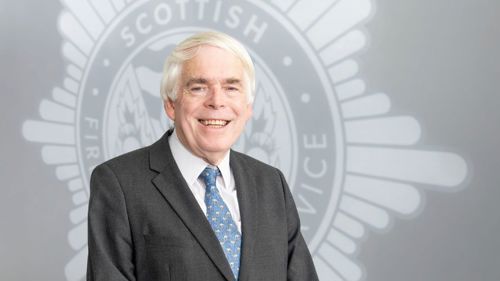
{"points": [[212, 106]]}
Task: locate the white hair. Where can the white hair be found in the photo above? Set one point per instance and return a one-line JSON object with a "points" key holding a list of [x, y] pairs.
{"points": [[188, 48]]}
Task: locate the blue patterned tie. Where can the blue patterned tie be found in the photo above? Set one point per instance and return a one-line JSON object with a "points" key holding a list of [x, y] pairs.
{"points": [[220, 219]]}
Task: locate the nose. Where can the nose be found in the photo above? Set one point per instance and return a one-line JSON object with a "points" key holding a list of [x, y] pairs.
{"points": [[216, 98]]}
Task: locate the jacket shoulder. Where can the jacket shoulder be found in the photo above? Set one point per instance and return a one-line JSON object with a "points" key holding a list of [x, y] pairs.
{"points": [[251, 164]]}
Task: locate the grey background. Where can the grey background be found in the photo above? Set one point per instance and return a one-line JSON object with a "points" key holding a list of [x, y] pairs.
{"points": [[438, 61]]}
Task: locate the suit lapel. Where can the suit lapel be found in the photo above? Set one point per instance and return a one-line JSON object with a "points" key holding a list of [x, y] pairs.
{"points": [[247, 200], [174, 189]]}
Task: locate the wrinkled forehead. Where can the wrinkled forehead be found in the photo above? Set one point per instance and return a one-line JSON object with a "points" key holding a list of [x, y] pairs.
{"points": [[213, 64], [204, 81]]}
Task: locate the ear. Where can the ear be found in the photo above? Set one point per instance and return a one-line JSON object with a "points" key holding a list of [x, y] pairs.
{"points": [[249, 111], [169, 106]]}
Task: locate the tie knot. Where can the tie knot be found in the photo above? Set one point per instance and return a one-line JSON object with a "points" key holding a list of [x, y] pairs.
{"points": [[209, 176]]}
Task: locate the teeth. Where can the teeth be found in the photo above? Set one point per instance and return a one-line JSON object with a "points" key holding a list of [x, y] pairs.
{"points": [[214, 122]]}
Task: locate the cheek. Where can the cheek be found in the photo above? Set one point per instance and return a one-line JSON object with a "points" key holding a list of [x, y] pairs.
{"points": [[183, 113]]}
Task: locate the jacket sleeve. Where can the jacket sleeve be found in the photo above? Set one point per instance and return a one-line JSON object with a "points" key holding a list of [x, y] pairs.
{"points": [[300, 265], [109, 236]]}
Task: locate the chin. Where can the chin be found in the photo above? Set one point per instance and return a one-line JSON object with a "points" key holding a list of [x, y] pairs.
{"points": [[216, 148]]}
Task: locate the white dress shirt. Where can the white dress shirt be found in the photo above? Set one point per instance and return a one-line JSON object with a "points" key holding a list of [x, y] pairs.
{"points": [[191, 167]]}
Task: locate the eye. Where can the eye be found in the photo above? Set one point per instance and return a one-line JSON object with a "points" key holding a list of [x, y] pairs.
{"points": [[198, 90], [232, 90]]}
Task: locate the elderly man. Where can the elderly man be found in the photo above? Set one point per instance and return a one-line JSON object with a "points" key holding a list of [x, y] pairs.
{"points": [[188, 207]]}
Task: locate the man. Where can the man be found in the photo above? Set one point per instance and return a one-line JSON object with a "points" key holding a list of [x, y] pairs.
{"points": [[188, 207]]}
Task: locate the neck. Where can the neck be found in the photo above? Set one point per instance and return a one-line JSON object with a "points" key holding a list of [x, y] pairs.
{"points": [[214, 158]]}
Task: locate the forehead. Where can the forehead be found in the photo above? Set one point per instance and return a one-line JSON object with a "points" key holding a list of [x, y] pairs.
{"points": [[213, 63]]}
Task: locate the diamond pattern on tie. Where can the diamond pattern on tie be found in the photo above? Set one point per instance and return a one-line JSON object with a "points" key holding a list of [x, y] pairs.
{"points": [[220, 219]]}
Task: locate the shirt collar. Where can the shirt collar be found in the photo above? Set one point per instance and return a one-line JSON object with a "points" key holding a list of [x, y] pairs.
{"points": [[191, 165]]}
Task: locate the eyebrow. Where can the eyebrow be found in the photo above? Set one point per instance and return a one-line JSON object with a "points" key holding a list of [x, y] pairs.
{"points": [[206, 81], [196, 81], [233, 81]]}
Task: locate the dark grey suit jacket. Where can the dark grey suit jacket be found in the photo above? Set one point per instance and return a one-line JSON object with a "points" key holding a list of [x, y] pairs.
{"points": [[145, 224]]}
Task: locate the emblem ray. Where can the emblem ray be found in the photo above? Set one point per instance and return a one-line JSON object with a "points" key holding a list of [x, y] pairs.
{"points": [[383, 163]]}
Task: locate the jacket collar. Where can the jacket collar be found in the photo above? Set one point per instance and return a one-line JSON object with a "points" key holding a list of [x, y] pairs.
{"points": [[244, 177], [174, 189]]}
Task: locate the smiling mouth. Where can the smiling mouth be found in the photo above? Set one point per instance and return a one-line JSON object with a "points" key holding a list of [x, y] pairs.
{"points": [[214, 123]]}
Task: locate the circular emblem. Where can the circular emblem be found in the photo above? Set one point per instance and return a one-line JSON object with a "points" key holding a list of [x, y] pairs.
{"points": [[121, 109], [338, 149]]}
